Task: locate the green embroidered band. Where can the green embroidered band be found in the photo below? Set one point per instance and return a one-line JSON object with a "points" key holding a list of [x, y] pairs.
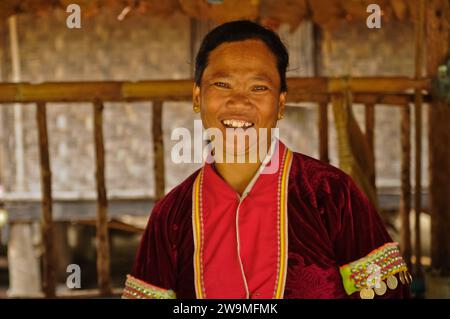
{"points": [[368, 273], [138, 289]]}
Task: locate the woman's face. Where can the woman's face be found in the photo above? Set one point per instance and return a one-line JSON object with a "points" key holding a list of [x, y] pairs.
{"points": [[240, 87]]}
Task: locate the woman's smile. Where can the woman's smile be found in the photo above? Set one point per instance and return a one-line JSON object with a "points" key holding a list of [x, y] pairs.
{"points": [[234, 123]]}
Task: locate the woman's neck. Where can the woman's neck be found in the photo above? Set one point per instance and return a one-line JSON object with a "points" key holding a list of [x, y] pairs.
{"points": [[237, 175]]}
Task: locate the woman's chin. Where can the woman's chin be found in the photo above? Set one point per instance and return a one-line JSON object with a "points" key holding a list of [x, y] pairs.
{"points": [[238, 153]]}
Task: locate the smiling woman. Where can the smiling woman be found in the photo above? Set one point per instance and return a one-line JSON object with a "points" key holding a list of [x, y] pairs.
{"points": [[240, 230], [240, 87]]}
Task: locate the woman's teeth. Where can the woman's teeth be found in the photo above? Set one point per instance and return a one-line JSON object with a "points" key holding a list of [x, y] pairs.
{"points": [[237, 123]]}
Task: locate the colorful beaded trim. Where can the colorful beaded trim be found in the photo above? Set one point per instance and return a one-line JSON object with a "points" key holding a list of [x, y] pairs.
{"points": [[138, 289], [379, 265]]}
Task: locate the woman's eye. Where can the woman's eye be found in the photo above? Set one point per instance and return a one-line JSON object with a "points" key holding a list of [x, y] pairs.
{"points": [[260, 88], [222, 84]]}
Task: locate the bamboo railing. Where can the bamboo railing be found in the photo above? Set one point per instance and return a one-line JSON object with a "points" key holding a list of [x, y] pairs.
{"points": [[393, 91]]}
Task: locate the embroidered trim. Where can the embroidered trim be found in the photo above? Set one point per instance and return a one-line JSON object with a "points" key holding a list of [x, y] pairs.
{"points": [[282, 225], [197, 225], [368, 272], [138, 289]]}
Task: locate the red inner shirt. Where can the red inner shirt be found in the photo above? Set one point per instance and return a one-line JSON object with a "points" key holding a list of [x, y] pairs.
{"points": [[240, 235]]}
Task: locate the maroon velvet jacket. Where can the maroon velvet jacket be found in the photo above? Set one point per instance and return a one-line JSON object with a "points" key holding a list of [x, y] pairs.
{"points": [[330, 221]]}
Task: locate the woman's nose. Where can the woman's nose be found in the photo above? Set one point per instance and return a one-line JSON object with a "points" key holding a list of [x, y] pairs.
{"points": [[239, 99]]}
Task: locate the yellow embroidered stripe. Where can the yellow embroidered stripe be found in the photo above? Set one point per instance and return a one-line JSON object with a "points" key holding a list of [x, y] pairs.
{"points": [[281, 280], [197, 236]]}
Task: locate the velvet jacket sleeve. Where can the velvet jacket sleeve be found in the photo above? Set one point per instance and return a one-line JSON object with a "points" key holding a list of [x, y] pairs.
{"points": [[332, 226], [155, 260], [164, 257], [360, 230]]}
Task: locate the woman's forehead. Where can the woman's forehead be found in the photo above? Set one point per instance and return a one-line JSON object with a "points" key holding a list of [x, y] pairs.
{"points": [[247, 50], [251, 57]]}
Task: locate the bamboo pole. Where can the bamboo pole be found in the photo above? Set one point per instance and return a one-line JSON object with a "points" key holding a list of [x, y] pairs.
{"points": [[405, 197], [392, 100], [373, 84], [158, 148], [369, 110], [103, 254], [419, 50], [323, 132], [181, 90], [46, 202]]}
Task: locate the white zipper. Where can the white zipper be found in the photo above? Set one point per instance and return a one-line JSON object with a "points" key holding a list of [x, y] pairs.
{"points": [[241, 199], [247, 293]]}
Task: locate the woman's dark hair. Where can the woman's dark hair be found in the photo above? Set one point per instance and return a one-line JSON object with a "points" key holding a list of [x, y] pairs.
{"points": [[239, 31]]}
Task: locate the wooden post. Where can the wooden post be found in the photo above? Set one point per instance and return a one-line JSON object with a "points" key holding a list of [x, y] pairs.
{"points": [[158, 149], [369, 110], [46, 202], [418, 100], [323, 132], [438, 50], [24, 264], [103, 257], [405, 199]]}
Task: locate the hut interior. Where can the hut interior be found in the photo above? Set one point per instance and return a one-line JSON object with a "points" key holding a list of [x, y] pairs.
{"points": [[86, 113]]}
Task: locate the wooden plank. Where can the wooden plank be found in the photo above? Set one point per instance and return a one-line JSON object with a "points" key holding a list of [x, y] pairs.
{"points": [[181, 90], [88, 293], [74, 294], [158, 149], [376, 84], [369, 112], [46, 202], [103, 253], [113, 224], [405, 197], [27, 210], [393, 100], [323, 132]]}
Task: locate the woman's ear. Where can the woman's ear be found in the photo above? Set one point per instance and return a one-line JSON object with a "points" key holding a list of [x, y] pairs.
{"points": [[281, 105], [196, 94], [196, 98]]}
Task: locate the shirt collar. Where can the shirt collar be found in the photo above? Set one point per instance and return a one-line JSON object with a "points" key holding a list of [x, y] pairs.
{"points": [[270, 165]]}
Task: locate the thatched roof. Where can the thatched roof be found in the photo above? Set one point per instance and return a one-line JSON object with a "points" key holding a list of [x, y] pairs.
{"points": [[326, 13]]}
